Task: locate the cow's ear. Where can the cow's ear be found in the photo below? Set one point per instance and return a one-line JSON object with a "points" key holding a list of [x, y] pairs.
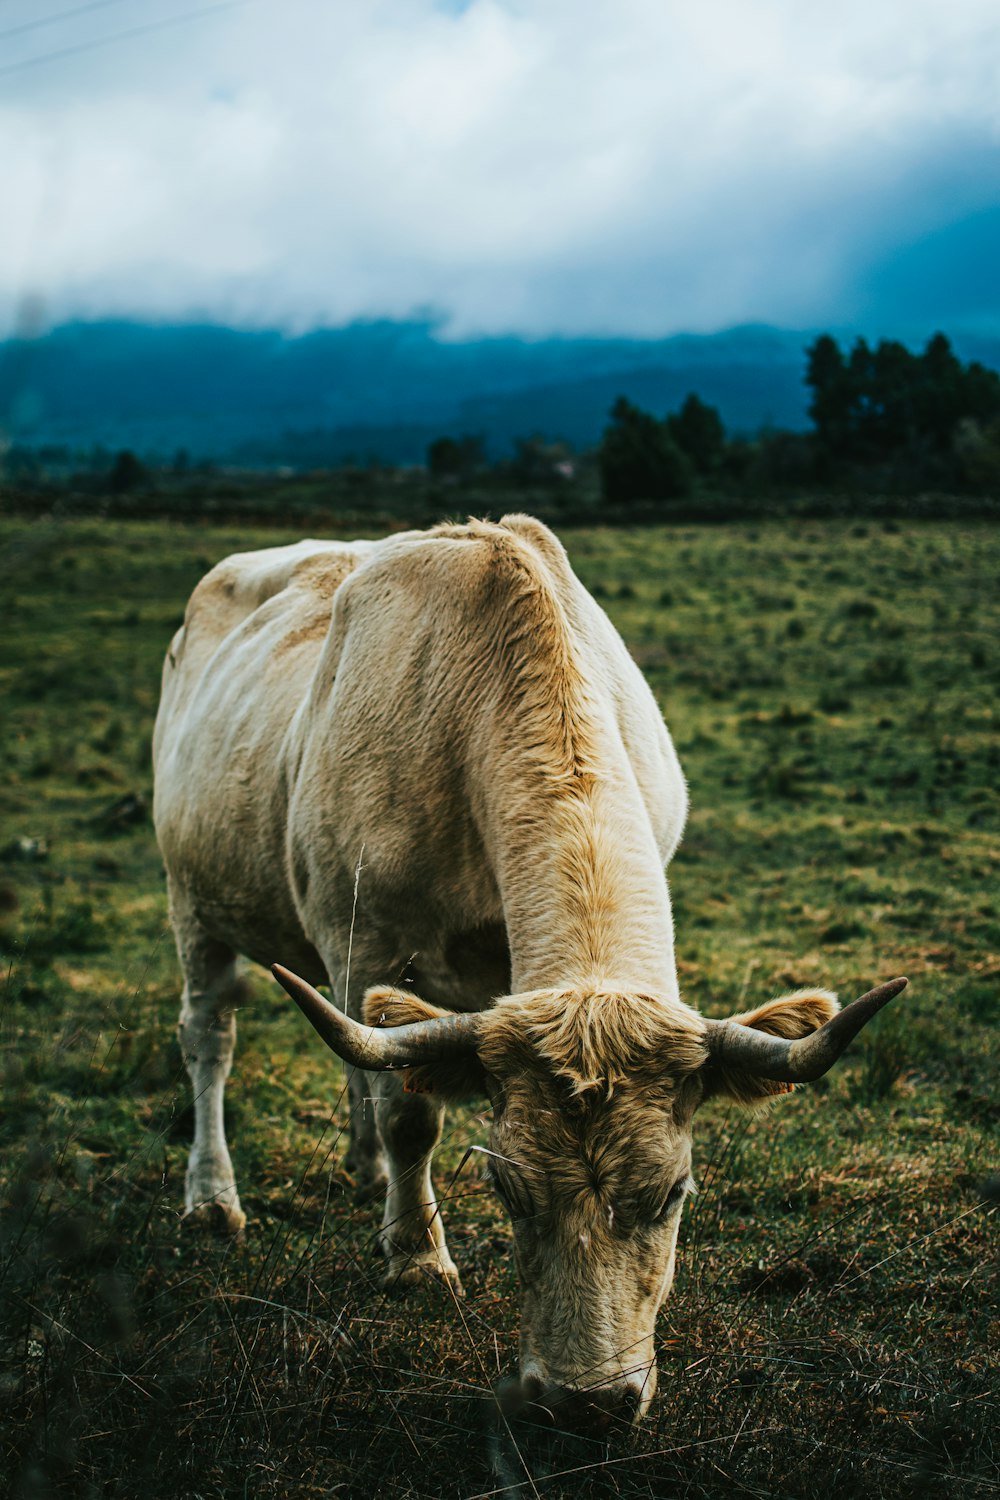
{"points": [[385, 1005], [791, 1016], [456, 1077]]}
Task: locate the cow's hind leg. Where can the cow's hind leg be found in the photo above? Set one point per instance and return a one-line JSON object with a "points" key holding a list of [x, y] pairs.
{"points": [[412, 1232], [207, 1034], [364, 1158]]}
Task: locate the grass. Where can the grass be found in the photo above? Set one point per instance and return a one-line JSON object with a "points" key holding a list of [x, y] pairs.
{"points": [[834, 1327]]}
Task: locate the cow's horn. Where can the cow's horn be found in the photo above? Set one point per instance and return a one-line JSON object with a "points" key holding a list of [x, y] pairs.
{"points": [[805, 1059], [368, 1046]]}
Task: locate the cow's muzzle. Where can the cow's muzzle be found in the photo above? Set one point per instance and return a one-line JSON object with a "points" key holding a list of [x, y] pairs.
{"points": [[598, 1411]]}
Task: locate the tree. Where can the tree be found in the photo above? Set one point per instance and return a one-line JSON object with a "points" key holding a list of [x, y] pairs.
{"points": [[127, 473], [21, 462], [893, 418], [698, 431], [537, 462], [451, 459], [977, 449], [830, 407], [639, 460], [862, 439], [940, 392]]}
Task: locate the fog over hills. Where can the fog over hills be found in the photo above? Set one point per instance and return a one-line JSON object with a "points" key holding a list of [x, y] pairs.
{"points": [[378, 390]]}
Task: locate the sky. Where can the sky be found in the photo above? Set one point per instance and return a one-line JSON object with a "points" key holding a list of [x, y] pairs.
{"points": [[536, 167]]}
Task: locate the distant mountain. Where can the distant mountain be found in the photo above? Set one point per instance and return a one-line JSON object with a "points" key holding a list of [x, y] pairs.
{"points": [[376, 389]]}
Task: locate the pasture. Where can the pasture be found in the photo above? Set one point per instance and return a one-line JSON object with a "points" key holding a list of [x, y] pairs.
{"points": [[834, 1328]]}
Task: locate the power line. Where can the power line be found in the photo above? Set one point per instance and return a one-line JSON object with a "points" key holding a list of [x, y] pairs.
{"points": [[122, 36], [66, 15]]}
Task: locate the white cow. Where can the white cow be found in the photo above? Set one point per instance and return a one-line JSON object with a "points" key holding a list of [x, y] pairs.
{"points": [[432, 755]]}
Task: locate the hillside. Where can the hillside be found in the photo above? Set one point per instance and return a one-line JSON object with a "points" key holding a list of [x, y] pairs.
{"points": [[371, 389]]}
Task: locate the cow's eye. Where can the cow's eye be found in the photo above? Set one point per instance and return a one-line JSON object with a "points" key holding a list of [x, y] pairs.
{"points": [[674, 1198], [512, 1192]]}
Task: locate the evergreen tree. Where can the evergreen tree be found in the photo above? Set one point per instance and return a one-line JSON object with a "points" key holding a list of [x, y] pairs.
{"points": [[451, 458], [940, 392], [128, 473], [894, 423], [639, 460], [830, 407], [698, 431]]}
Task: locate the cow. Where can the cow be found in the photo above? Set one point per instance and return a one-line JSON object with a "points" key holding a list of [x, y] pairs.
{"points": [[432, 756]]}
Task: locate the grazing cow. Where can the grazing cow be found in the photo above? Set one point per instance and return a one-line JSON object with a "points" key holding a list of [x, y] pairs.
{"points": [[432, 755]]}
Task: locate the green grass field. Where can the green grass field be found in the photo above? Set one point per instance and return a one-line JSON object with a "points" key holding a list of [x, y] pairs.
{"points": [[834, 1329]]}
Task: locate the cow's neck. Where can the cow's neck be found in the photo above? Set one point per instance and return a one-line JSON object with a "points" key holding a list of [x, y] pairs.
{"points": [[584, 895], [568, 835]]}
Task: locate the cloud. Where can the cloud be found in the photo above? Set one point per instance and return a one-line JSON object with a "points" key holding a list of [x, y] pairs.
{"points": [[532, 167]]}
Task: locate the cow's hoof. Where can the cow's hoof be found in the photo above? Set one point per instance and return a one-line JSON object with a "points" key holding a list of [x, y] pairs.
{"points": [[403, 1275], [215, 1218]]}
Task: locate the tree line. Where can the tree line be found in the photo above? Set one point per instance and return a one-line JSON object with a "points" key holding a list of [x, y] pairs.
{"points": [[884, 419], [891, 430]]}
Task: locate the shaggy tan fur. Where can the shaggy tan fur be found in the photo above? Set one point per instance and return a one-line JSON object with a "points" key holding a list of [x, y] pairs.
{"points": [[594, 1041], [531, 646]]}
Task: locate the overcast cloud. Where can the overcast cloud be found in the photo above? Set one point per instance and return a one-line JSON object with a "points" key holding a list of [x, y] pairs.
{"points": [[569, 166]]}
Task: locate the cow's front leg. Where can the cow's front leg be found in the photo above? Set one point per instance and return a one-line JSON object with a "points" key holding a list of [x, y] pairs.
{"points": [[364, 1159], [207, 1033], [412, 1232]]}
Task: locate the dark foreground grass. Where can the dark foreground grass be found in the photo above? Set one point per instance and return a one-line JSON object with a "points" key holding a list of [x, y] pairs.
{"points": [[834, 1329]]}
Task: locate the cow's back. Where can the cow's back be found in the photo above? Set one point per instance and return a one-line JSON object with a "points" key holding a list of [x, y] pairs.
{"points": [[306, 574], [236, 673], [439, 651]]}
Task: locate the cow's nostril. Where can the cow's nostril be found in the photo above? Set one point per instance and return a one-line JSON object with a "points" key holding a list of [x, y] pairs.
{"points": [[568, 1408], [581, 1411], [527, 1399], [508, 1395], [593, 1418]]}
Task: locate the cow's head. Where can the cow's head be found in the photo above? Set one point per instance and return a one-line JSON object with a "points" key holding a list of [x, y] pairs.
{"points": [[593, 1096]]}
